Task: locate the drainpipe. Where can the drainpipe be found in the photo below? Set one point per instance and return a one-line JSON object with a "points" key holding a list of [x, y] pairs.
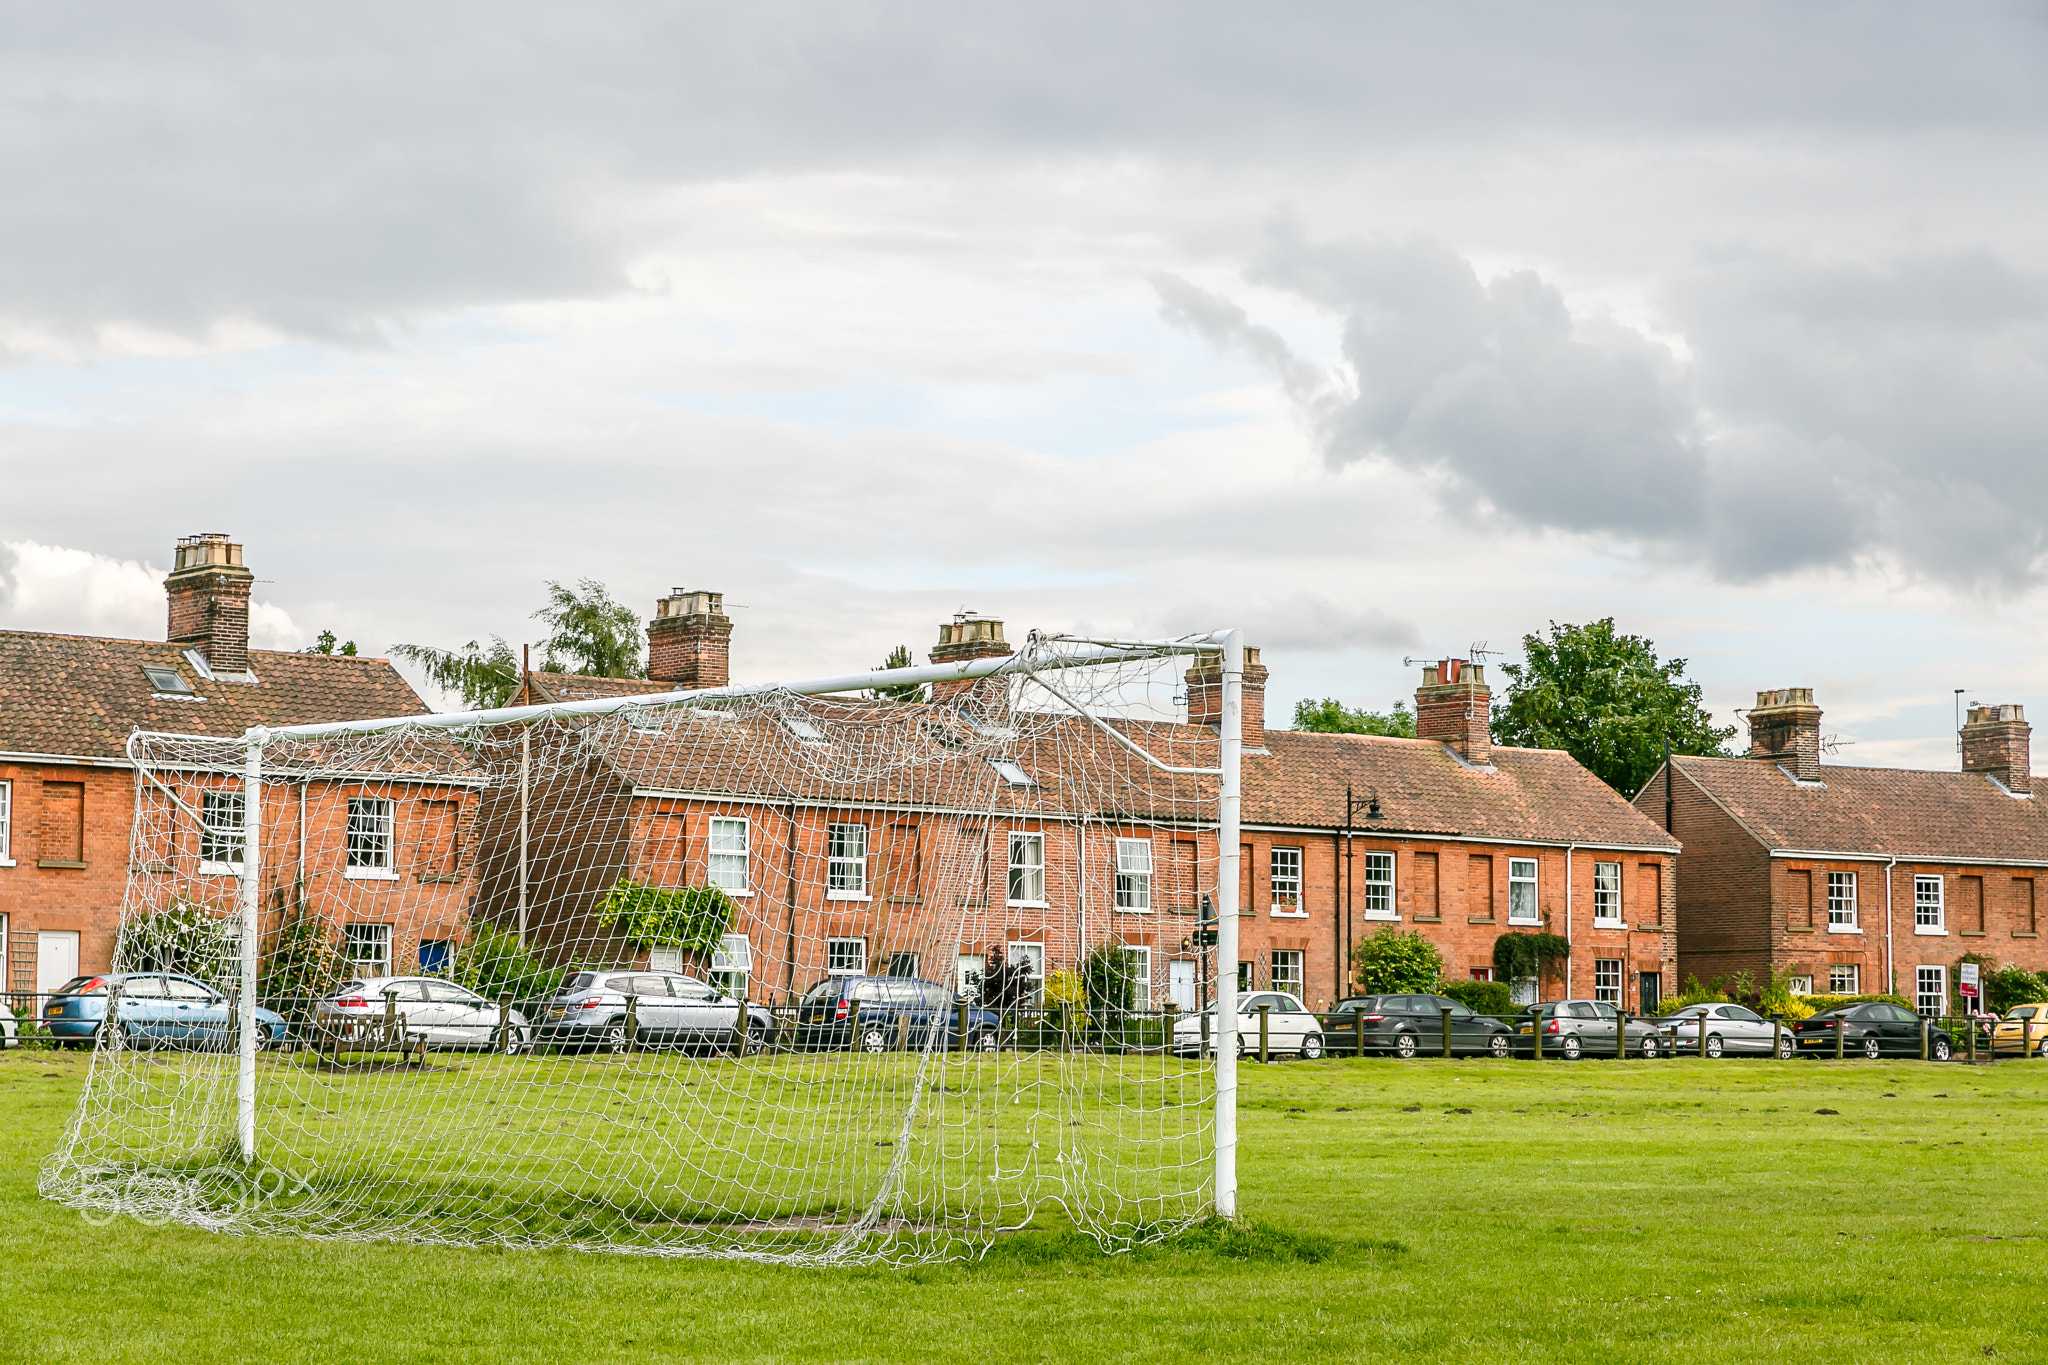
{"points": [[1568, 919], [1891, 977]]}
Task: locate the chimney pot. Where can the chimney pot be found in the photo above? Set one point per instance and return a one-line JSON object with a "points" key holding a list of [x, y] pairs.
{"points": [[969, 636], [689, 641], [1205, 695], [1997, 742], [1454, 706], [1784, 728], [208, 600]]}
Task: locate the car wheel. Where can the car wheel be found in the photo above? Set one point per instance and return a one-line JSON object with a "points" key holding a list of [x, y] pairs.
{"points": [[515, 1041], [264, 1035], [1870, 1047], [1500, 1045], [753, 1041], [1938, 1049], [613, 1039], [1404, 1045], [1713, 1045], [1786, 1048], [1570, 1046], [986, 1041], [874, 1039], [1311, 1047], [1649, 1045]]}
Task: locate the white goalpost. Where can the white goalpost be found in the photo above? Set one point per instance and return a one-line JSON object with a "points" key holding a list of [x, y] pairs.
{"points": [[851, 969]]}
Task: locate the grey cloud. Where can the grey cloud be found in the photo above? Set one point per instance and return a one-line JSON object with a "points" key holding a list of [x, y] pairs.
{"points": [[328, 169], [1302, 621]]}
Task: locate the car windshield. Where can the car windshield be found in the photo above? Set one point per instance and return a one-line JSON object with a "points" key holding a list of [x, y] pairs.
{"points": [[578, 981], [2022, 1012], [824, 990], [83, 985], [347, 988]]}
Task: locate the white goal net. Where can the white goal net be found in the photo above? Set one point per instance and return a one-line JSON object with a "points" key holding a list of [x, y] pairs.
{"points": [[806, 973]]}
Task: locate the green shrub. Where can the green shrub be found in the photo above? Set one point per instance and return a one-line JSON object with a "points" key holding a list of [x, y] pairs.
{"points": [[189, 939], [494, 963], [693, 918], [301, 963], [1110, 976], [2007, 986], [1822, 1003], [1693, 994], [1391, 961], [1523, 957], [1482, 997]]}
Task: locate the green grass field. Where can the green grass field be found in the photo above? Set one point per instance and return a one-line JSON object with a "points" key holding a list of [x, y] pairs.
{"points": [[1599, 1211]]}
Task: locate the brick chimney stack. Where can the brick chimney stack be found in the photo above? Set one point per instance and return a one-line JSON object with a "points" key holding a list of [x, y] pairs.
{"points": [[689, 641], [965, 637], [1785, 728], [209, 601], [1996, 743], [1454, 706], [1205, 694]]}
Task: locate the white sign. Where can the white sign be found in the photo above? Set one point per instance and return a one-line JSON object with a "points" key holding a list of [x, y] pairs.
{"points": [[1969, 978]]}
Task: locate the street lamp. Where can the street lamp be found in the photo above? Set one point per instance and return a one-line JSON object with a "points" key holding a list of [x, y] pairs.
{"points": [[1341, 935]]}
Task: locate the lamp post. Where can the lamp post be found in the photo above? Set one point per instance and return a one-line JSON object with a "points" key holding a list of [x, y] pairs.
{"points": [[1374, 818]]}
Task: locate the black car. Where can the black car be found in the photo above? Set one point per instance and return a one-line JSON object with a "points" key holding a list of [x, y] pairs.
{"points": [[887, 1013], [1406, 1025], [1874, 1029]]}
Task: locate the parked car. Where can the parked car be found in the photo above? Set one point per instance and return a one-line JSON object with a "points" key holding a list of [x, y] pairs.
{"points": [[10, 1031], [1730, 1029], [881, 1013], [672, 1010], [2022, 1032], [1572, 1029], [1409, 1024], [437, 1012], [1875, 1029], [157, 1009], [1289, 1027]]}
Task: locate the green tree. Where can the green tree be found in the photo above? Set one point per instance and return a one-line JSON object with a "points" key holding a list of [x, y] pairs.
{"points": [[599, 636], [301, 962], [485, 678], [1607, 700], [1110, 973], [493, 962], [325, 644], [899, 657], [1332, 717], [2012, 985], [1391, 962], [185, 938]]}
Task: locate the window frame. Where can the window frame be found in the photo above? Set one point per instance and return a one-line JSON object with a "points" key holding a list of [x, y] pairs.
{"points": [[1025, 876], [718, 862], [1604, 992], [6, 822], [385, 871], [738, 970], [1799, 985], [1920, 992], [1296, 970], [350, 939], [1930, 912], [1610, 895], [210, 831], [1531, 880], [1855, 978], [1141, 974], [840, 866], [1379, 891], [1133, 882], [1283, 889], [1850, 923], [859, 959]]}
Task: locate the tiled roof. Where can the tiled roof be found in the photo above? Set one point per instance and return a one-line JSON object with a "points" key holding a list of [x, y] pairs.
{"points": [[1541, 795], [565, 687], [1889, 811], [82, 695]]}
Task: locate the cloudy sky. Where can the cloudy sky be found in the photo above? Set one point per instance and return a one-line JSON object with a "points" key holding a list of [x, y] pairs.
{"points": [[1379, 330]]}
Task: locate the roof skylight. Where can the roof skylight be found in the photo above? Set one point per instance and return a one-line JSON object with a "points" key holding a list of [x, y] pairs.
{"points": [[1012, 773], [805, 729], [168, 682]]}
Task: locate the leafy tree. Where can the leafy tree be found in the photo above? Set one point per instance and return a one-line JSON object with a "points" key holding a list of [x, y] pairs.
{"points": [[1391, 962], [493, 962], [899, 657], [690, 917], [592, 631], [2012, 985], [1110, 972], [1332, 717], [1002, 984], [325, 645], [185, 938], [303, 962], [1607, 700], [486, 678]]}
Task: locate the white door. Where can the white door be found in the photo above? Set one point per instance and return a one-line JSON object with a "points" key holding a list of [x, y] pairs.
{"points": [[1180, 984], [56, 959]]}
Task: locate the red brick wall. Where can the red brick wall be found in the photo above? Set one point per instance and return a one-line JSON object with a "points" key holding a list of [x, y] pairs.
{"points": [[1725, 891], [83, 899]]}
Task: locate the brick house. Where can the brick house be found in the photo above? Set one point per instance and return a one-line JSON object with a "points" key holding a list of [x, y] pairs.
{"points": [[1856, 880], [68, 704], [1455, 838]]}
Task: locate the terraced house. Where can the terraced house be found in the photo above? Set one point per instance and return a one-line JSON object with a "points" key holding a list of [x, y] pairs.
{"points": [[68, 704], [1857, 880]]}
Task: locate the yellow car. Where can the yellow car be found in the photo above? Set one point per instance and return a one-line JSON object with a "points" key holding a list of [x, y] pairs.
{"points": [[2023, 1032]]}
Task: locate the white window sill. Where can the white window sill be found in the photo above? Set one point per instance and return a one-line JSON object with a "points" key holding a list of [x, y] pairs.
{"points": [[6, 862], [1844, 929], [1610, 924], [220, 869], [369, 874], [1288, 914], [834, 895], [737, 895], [1533, 923], [1132, 910], [1382, 917], [1930, 931]]}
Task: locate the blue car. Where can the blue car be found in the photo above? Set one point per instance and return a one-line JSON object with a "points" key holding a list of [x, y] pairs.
{"points": [[158, 1009], [886, 1013]]}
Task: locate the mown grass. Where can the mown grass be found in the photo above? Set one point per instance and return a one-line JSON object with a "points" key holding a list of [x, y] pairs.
{"points": [[1669, 1211]]}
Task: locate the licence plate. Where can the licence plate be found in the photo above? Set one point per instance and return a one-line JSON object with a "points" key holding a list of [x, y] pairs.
{"points": [[56, 1010], [1527, 1029]]}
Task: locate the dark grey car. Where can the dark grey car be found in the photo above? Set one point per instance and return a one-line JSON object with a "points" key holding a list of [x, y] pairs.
{"points": [[1572, 1029], [1413, 1025]]}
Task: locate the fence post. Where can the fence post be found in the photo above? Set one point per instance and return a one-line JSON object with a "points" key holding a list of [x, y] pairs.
{"points": [[1925, 1026], [234, 1012], [1265, 1019], [963, 1025], [1205, 1033], [1536, 1032], [1701, 1020], [632, 1021], [903, 1033], [1777, 1036], [1620, 1034], [1971, 1024], [1446, 1012], [394, 1032], [114, 1035], [1358, 1033], [505, 1039], [1841, 1027]]}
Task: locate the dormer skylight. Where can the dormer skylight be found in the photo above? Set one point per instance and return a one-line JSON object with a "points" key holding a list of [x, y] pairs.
{"points": [[805, 729], [166, 682], [1012, 773]]}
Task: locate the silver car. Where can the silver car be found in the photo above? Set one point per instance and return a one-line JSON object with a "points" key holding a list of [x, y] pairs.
{"points": [[437, 1012], [1289, 1027], [670, 1010], [1729, 1029]]}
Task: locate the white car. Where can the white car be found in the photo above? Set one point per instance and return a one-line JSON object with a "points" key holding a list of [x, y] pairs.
{"points": [[438, 1012], [1289, 1027], [1730, 1029]]}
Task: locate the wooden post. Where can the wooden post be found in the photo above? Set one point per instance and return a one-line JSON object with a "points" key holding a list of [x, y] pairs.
{"points": [[506, 1042], [1926, 1029], [1265, 1019], [1777, 1036], [1620, 1034], [1702, 1022], [1205, 1033], [1446, 1012], [1536, 1032], [903, 1033], [234, 1012], [394, 1032], [1841, 1027], [1358, 1031], [111, 1033], [963, 1025], [632, 1021]]}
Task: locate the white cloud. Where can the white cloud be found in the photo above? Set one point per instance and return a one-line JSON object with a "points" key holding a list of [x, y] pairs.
{"points": [[82, 592]]}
